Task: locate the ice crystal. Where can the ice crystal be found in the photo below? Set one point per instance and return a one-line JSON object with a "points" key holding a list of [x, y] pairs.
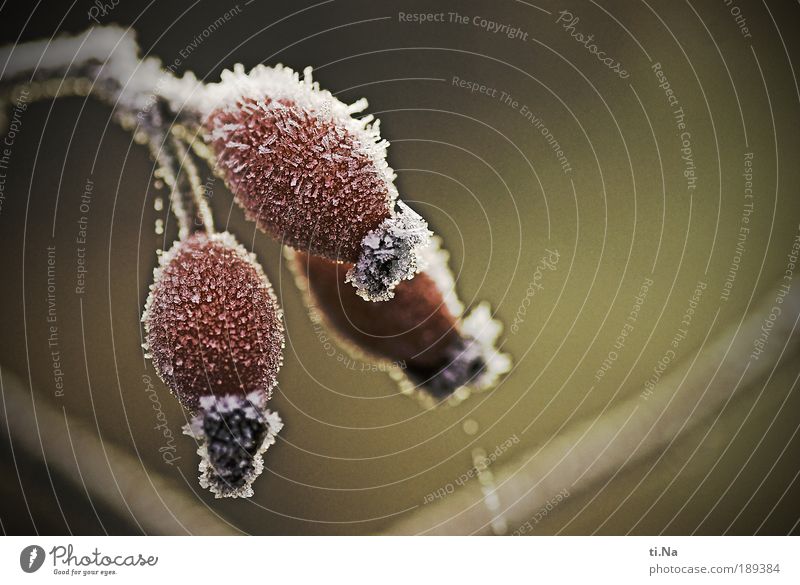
{"points": [[485, 330]]}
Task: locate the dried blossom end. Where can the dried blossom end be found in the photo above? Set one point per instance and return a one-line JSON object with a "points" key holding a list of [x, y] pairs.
{"points": [[390, 254], [465, 365], [233, 433], [473, 364]]}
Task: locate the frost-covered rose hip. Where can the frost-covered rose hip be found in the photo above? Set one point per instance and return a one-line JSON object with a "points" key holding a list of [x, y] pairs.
{"points": [[212, 321], [421, 327], [214, 332], [312, 175]]}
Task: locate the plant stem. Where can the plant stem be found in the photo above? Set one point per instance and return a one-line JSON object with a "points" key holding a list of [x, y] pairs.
{"points": [[169, 171], [202, 210]]}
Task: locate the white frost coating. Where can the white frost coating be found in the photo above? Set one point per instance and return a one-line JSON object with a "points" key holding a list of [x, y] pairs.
{"points": [[480, 326], [282, 83], [435, 264], [115, 53], [111, 43]]}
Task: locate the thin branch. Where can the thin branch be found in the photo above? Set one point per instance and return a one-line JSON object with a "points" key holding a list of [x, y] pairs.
{"points": [[169, 171], [202, 211]]}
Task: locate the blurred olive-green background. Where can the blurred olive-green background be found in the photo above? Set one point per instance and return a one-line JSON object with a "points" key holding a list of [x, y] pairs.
{"points": [[355, 455]]}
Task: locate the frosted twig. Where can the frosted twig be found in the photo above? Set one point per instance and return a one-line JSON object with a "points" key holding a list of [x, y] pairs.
{"points": [[107, 60], [202, 210], [169, 172]]}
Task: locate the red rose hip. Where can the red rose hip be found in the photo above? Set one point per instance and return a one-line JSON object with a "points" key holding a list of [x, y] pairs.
{"points": [[420, 327], [215, 335], [310, 174]]}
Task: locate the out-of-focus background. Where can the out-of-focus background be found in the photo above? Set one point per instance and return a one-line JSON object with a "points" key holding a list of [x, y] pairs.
{"points": [[637, 402]]}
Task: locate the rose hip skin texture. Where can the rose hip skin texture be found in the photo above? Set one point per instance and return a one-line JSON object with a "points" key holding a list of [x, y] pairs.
{"points": [[304, 179], [414, 327], [213, 326]]}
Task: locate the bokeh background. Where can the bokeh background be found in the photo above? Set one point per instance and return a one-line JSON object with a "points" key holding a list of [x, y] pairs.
{"points": [[356, 456]]}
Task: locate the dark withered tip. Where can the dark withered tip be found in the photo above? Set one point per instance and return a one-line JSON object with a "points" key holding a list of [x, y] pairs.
{"points": [[233, 432], [390, 254], [464, 365]]}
